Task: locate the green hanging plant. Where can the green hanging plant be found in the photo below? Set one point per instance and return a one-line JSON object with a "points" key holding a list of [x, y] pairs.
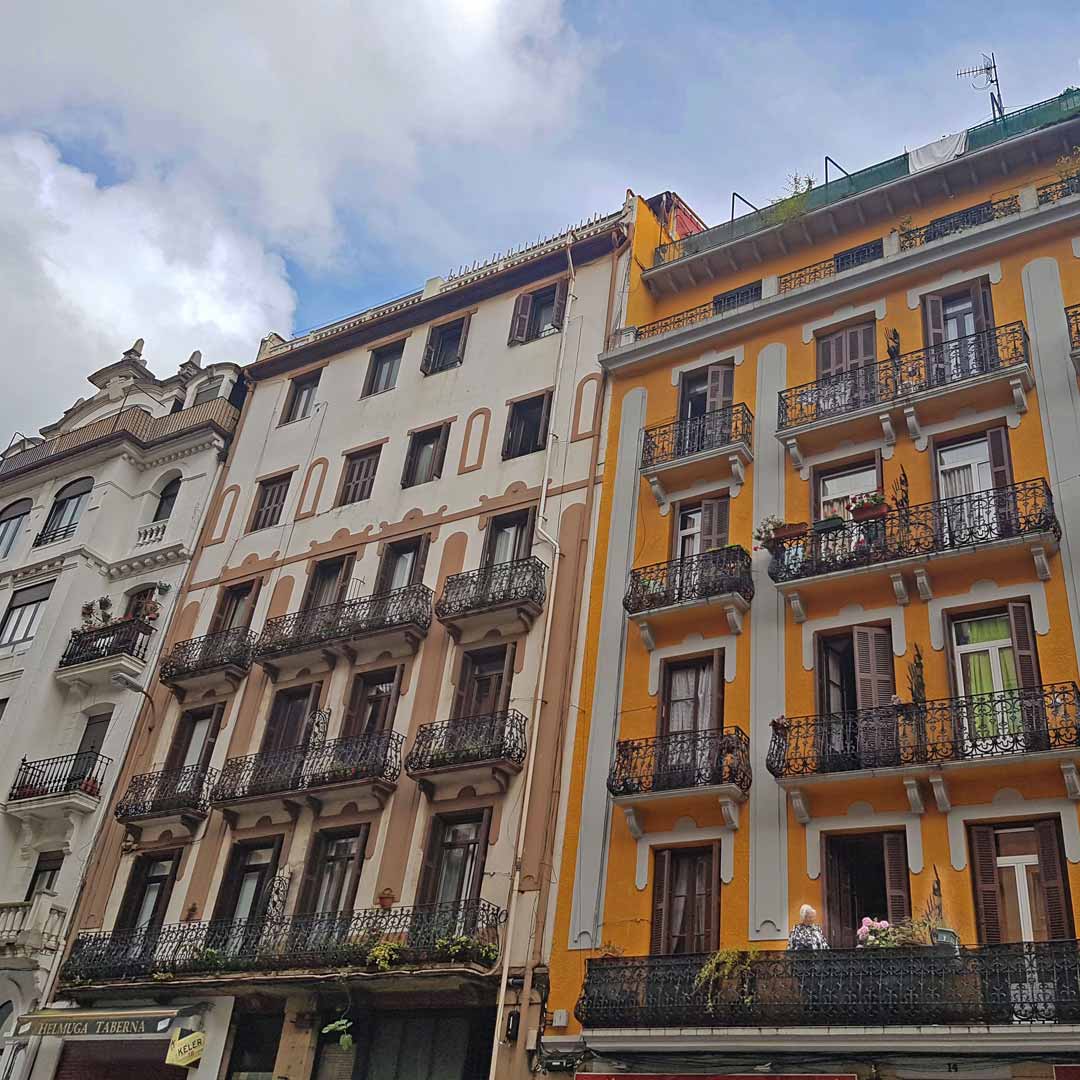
{"points": [[340, 1027], [726, 967]]}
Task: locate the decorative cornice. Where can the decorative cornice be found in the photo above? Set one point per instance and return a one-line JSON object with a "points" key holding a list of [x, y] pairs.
{"points": [[136, 564]]}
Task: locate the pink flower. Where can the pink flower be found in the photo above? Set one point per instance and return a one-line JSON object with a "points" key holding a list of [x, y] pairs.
{"points": [[883, 925], [867, 921]]}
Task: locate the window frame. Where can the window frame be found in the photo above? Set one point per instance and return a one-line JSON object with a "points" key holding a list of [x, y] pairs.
{"points": [[365, 484], [321, 845], [819, 475], [213, 384], [12, 519], [395, 352], [713, 659], [259, 505], [524, 322], [433, 350], [513, 446], [440, 436], [35, 616], [300, 401], [169, 493], [51, 872], [431, 868]]}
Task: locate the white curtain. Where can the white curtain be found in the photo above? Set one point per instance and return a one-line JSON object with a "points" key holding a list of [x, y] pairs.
{"points": [[680, 913], [681, 713]]}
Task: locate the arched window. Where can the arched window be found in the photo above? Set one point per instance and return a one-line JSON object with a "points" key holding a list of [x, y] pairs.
{"points": [[6, 1009], [12, 519], [208, 390], [167, 500], [66, 510]]}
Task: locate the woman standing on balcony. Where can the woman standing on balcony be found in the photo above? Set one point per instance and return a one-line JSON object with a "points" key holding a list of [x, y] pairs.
{"points": [[806, 934]]}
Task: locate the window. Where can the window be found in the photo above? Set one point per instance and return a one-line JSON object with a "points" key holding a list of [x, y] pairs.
{"points": [[426, 456], [236, 606], [12, 519], [484, 681], [138, 600], [1021, 886], [301, 399], [359, 477], [735, 298], [84, 765], [953, 325], [245, 888], [65, 512], [193, 742], [705, 390], [693, 695], [846, 350], [539, 313], [46, 871], [333, 871], [509, 537], [383, 369], [445, 346], [371, 703], [403, 563], [329, 582], [527, 426], [167, 500], [289, 723], [833, 490], [700, 527], [865, 875], [686, 900], [453, 867], [24, 613], [208, 390], [962, 471], [148, 891], [269, 502]]}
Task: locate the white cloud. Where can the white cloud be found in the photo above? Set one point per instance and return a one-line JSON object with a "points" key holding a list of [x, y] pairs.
{"points": [[85, 270]]}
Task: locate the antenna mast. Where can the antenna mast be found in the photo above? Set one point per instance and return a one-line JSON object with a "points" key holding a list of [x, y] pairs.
{"points": [[986, 78]]}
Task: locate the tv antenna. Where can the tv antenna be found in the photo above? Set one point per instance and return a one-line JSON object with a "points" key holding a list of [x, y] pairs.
{"points": [[986, 78]]}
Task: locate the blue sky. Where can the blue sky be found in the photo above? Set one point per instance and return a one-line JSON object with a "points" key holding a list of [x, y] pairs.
{"points": [[201, 174]]}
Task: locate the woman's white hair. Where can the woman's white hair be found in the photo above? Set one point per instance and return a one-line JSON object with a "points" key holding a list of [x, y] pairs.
{"points": [[805, 910]]}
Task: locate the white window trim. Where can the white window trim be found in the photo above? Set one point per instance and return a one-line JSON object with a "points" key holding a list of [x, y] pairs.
{"points": [[987, 593], [686, 831], [691, 644], [861, 815], [717, 356], [853, 614], [876, 308], [954, 277]]}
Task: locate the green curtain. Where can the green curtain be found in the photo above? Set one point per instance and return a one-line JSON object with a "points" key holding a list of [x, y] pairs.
{"points": [[997, 716]]}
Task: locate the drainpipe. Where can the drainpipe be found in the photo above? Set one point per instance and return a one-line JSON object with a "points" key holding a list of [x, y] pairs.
{"points": [[556, 552]]}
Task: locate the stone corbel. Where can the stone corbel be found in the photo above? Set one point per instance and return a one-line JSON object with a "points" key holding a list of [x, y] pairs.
{"points": [[797, 609], [659, 494], [645, 630], [800, 807], [729, 808], [900, 589], [941, 793], [922, 584], [738, 475], [1042, 562], [792, 445], [888, 434], [734, 618], [633, 822], [914, 795], [915, 428], [1072, 780], [1019, 395]]}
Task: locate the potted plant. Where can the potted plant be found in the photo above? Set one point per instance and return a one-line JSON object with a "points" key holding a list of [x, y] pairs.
{"points": [[772, 529], [869, 504], [91, 786], [829, 524]]}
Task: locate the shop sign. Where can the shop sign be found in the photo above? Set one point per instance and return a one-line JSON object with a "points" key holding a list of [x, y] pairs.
{"points": [[185, 1047], [83, 1025]]}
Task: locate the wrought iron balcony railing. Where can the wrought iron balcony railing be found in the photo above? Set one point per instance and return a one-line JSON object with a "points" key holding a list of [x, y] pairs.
{"points": [[173, 791], [1072, 314], [665, 443], [983, 726], [885, 382], [229, 648], [372, 757], [60, 776], [402, 608], [52, 536], [518, 582], [827, 268], [468, 740], [681, 581], [686, 759], [125, 637], [723, 304], [1060, 189], [931, 986], [964, 521], [961, 221], [463, 932]]}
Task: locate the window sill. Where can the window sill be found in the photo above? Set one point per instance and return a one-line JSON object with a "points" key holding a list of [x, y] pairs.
{"points": [[377, 393], [523, 453], [540, 337], [440, 370], [264, 528], [298, 420]]}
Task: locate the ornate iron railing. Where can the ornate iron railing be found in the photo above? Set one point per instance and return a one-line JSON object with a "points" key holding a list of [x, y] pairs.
{"points": [[52, 536], [982, 726], [961, 221], [518, 582], [402, 608], [686, 759], [680, 581], [964, 521], [83, 772], [837, 264], [1072, 314], [470, 739], [462, 932], [372, 757], [125, 637], [172, 791], [723, 304], [933, 986], [664, 443], [230, 648], [887, 381], [1060, 189]]}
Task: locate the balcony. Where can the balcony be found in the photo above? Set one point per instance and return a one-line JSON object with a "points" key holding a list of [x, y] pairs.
{"points": [[1060, 189], [378, 620], [724, 304], [863, 989], [988, 369], [923, 738], [54, 536], [671, 594], [1072, 316], [681, 453], [962, 527], [94, 654], [153, 532], [174, 795], [477, 601], [205, 662], [464, 934], [969, 218], [475, 751], [31, 926], [365, 768], [54, 789], [836, 264]]}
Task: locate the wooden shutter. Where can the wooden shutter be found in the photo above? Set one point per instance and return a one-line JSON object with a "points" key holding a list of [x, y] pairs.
{"points": [[984, 876], [545, 419], [712, 905], [133, 894], [506, 679], [1053, 880], [874, 684], [562, 291], [429, 350], [423, 545], [897, 894], [271, 498], [511, 430], [721, 386], [984, 305], [407, 479], [440, 452], [354, 707], [226, 897], [1023, 640], [482, 836], [305, 901], [211, 736], [348, 896], [997, 440], [359, 476], [714, 523], [830, 355], [526, 534], [429, 865], [464, 684], [933, 320], [464, 337], [659, 943], [840, 917], [519, 323]]}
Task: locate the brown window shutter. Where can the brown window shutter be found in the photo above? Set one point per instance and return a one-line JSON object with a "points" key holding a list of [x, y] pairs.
{"points": [[129, 906], [511, 431], [464, 683], [984, 877], [429, 350], [1053, 880], [712, 905], [221, 612], [659, 944], [410, 463], [482, 837], [519, 323], [211, 736], [344, 577], [984, 304], [933, 320], [897, 894], [840, 918], [860, 345], [423, 546], [830, 355], [997, 440], [874, 685], [246, 608], [527, 534], [545, 419], [464, 337], [562, 291], [507, 679], [721, 387], [348, 898], [1024, 647], [440, 451], [229, 884], [714, 523], [950, 657], [307, 898]]}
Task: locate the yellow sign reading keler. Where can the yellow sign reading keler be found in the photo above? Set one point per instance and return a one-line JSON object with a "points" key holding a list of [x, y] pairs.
{"points": [[185, 1047]]}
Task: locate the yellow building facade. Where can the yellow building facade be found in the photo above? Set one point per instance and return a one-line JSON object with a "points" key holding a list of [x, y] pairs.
{"points": [[834, 627]]}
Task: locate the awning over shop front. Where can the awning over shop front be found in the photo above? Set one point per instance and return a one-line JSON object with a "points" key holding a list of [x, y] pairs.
{"points": [[98, 1023]]}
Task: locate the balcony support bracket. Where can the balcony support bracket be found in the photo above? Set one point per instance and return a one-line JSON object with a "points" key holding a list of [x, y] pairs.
{"points": [[659, 494], [941, 793], [797, 609], [888, 433], [914, 427], [133, 832], [1019, 394], [922, 584], [271, 670], [914, 795], [330, 658], [1042, 563], [633, 822], [292, 808], [1072, 780], [794, 452], [734, 618], [647, 637], [729, 808], [738, 475], [800, 807], [900, 589]]}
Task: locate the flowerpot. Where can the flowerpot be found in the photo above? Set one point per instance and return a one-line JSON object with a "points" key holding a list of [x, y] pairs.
{"points": [[829, 524], [789, 530], [872, 510]]}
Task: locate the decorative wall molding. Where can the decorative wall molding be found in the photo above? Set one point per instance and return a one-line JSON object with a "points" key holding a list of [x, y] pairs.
{"points": [[861, 815], [989, 592], [850, 615], [876, 308], [692, 643], [686, 830], [713, 356], [953, 277]]}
